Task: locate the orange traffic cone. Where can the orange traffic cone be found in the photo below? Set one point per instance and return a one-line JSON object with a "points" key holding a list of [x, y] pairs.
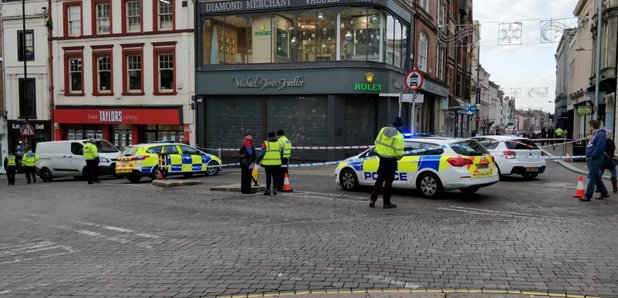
{"points": [[568, 157], [580, 188], [159, 175], [287, 187]]}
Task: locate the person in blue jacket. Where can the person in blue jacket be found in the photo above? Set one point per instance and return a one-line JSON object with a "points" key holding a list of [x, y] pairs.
{"points": [[594, 157]]}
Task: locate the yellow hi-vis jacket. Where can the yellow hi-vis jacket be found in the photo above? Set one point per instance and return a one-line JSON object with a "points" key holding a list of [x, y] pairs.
{"points": [[287, 147], [29, 159], [90, 151], [272, 157], [389, 143], [11, 161]]}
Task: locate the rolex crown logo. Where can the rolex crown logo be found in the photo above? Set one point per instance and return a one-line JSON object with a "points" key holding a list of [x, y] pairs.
{"points": [[369, 77], [262, 27]]}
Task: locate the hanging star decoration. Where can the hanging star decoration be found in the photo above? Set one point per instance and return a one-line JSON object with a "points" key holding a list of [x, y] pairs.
{"points": [[509, 34]]}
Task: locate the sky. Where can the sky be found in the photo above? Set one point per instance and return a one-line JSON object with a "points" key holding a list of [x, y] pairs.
{"points": [[526, 68]]}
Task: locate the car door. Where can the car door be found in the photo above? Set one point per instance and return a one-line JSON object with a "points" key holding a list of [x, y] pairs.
{"points": [[369, 171], [407, 166], [192, 160], [174, 158], [76, 160]]}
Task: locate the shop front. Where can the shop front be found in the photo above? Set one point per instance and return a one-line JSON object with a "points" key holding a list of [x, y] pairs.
{"points": [[122, 126], [18, 143], [319, 70]]}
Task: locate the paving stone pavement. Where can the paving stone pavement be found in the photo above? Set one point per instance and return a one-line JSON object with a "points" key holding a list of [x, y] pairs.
{"points": [[118, 239]]}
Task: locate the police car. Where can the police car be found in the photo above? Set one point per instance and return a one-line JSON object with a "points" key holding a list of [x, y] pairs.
{"points": [[435, 165], [142, 160]]}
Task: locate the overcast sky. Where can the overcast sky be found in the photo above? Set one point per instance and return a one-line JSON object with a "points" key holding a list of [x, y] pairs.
{"points": [[527, 70]]}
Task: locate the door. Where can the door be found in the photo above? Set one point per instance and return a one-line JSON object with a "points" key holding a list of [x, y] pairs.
{"points": [[192, 160], [76, 160]]}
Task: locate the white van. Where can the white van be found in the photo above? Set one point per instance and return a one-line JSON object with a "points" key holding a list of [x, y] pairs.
{"points": [[65, 158]]}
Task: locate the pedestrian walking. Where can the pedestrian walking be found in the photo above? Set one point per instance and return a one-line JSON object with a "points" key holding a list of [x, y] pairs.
{"points": [[91, 154], [270, 158], [610, 147], [10, 167], [389, 147], [594, 157], [285, 160], [247, 162], [28, 163], [543, 136]]}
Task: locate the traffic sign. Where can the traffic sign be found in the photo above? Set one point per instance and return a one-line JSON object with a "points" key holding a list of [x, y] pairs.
{"points": [[412, 97], [26, 130], [414, 80]]}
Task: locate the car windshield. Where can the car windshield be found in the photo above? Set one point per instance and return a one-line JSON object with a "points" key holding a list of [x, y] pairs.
{"points": [[129, 151], [106, 147], [523, 144], [469, 148]]}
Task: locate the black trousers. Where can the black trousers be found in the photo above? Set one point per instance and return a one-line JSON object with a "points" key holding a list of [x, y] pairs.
{"points": [[282, 172], [92, 170], [272, 175], [245, 179], [386, 175], [30, 171], [10, 174]]}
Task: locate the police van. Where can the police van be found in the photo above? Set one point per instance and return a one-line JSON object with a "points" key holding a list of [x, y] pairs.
{"points": [[433, 166], [66, 158]]}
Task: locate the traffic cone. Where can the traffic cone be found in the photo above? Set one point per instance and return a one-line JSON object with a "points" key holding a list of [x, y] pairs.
{"points": [[568, 157], [159, 175], [287, 187], [579, 193]]}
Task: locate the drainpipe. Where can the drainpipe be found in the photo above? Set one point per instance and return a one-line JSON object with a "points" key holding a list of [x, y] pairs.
{"points": [[50, 61]]}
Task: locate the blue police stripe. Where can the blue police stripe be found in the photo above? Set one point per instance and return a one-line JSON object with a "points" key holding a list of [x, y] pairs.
{"points": [[176, 168], [196, 168], [147, 170], [186, 159], [206, 158]]}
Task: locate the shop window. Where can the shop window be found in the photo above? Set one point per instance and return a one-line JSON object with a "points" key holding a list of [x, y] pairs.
{"points": [[133, 81], [132, 19], [226, 40], [103, 73], [164, 64], [73, 71], [165, 14], [27, 104], [102, 17], [362, 32], [73, 19], [25, 48], [402, 50]]}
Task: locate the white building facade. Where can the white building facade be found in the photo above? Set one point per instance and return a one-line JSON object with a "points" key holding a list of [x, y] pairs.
{"points": [[32, 105], [123, 70]]}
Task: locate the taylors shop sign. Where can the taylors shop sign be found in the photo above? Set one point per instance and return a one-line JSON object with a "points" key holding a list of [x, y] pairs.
{"points": [[162, 116]]}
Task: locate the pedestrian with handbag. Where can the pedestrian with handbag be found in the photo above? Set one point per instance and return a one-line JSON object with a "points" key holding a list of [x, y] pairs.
{"points": [[247, 160]]}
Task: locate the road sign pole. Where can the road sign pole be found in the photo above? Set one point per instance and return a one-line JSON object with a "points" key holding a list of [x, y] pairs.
{"points": [[400, 93], [413, 112]]}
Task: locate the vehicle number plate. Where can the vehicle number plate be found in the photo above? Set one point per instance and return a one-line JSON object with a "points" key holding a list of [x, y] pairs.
{"points": [[532, 169], [482, 165]]}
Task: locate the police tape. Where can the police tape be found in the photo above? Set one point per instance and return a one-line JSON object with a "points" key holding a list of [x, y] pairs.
{"points": [[562, 143], [297, 148]]}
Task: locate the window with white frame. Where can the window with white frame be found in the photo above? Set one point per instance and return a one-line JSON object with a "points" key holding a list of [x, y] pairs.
{"points": [[134, 73], [103, 20], [74, 21], [134, 16], [104, 74], [75, 75], [166, 17], [425, 5], [166, 72], [422, 52]]}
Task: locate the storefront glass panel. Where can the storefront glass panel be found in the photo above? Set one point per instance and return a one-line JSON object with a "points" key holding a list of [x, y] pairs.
{"points": [[357, 33]]}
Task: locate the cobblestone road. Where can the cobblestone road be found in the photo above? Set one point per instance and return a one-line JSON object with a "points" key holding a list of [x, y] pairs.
{"points": [[116, 239]]}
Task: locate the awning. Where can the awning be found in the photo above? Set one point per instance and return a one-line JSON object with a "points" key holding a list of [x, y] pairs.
{"points": [[456, 104]]}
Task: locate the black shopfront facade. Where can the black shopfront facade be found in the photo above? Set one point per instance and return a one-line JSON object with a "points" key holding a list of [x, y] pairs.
{"points": [[315, 69]]}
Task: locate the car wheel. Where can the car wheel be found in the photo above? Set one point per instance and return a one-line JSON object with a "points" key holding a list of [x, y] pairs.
{"points": [[46, 175], [530, 176], [348, 180], [212, 169], [469, 190], [429, 185], [134, 178], [156, 172]]}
